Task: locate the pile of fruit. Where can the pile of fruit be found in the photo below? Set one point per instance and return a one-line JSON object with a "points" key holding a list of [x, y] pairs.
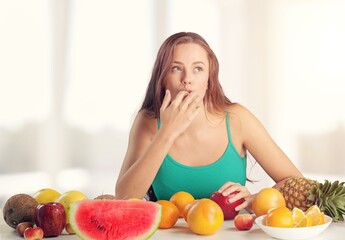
{"points": [[303, 193], [271, 202], [300, 202], [43, 214], [183, 205], [284, 217], [47, 213], [203, 216]]}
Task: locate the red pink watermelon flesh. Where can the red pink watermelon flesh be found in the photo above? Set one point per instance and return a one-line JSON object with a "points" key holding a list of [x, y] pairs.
{"points": [[114, 219]]}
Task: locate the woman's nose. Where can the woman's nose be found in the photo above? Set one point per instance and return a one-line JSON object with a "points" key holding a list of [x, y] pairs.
{"points": [[186, 79]]}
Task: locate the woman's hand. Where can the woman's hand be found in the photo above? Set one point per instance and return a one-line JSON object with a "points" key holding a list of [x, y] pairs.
{"points": [[230, 187], [177, 115]]}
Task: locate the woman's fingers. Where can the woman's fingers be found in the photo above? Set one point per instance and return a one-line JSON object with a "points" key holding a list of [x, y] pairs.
{"points": [[166, 100], [228, 188], [179, 98], [178, 113], [194, 103], [195, 112], [190, 101], [242, 206], [243, 193]]}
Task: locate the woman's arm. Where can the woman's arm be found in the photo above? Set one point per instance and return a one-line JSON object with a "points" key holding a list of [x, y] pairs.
{"points": [[264, 150], [146, 150], [252, 137], [147, 147]]}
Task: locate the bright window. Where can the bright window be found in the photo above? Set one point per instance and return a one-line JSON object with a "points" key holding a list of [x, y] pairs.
{"points": [[110, 62], [25, 64], [314, 66]]}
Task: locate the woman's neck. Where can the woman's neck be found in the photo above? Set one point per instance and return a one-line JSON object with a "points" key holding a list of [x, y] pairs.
{"points": [[205, 120]]}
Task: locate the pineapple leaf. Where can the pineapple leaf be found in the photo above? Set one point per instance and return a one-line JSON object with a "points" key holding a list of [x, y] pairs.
{"points": [[333, 187], [340, 190], [325, 186], [332, 212], [336, 216], [340, 202]]}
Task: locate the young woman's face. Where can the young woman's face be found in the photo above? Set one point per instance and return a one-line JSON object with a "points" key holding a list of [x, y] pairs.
{"points": [[189, 70]]}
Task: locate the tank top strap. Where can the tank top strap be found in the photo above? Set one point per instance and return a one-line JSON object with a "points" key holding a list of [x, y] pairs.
{"points": [[228, 127]]}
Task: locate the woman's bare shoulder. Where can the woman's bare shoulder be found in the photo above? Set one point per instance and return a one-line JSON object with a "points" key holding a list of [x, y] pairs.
{"points": [[237, 111], [144, 123], [240, 115]]}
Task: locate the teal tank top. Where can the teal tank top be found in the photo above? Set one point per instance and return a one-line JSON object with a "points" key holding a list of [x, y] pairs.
{"points": [[200, 181]]}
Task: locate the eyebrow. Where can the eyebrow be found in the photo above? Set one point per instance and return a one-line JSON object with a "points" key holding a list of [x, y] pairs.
{"points": [[194, 63]]}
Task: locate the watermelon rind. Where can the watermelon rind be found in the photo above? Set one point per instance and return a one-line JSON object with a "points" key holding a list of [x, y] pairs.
{"points": [[89, 219]]}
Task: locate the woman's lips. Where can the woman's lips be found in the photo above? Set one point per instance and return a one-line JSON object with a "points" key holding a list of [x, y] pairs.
{"points": [[187, 90]]}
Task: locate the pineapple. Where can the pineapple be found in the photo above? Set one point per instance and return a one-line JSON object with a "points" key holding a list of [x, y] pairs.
{"points": [[302, 193]]}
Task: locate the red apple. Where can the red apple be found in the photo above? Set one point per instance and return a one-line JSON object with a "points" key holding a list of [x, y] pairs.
{"points": [[51, 217], [227, 207], [22, 226], [33, 233], [244, 221]]}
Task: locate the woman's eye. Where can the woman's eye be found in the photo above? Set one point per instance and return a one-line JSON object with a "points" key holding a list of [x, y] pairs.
{"points": [[198, 69], [176, 69]]}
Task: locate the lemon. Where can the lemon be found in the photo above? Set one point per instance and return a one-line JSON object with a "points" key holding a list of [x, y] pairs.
{"points": [[46, 195], [317, 216], [313, 211], [67, 198], [298, 216]]}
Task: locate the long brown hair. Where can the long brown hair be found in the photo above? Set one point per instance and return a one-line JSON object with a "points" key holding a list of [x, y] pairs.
{"points": [[215, 100]]}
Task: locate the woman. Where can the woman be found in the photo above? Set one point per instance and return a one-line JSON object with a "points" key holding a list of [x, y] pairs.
{"points": [[188, 136]]}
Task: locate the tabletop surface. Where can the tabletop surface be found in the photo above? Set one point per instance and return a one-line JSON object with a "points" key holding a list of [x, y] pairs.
{"points": [[181, 231]]}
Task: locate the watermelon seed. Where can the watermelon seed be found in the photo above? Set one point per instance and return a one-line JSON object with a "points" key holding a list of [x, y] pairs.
{"points": [[100, 227]]}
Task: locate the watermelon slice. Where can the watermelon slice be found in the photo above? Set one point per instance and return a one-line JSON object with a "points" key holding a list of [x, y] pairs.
{"points": [[114, 219]]}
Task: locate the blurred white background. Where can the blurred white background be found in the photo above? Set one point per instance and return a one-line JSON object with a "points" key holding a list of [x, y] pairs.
{"points": [[73, 74]]}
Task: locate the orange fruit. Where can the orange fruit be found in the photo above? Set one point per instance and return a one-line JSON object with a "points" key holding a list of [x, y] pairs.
{"points": [[280, 217], [300, 219], [316, 215], [297, 215], [170, 214], [318, 219], [181, 199], [186, 209], [313, 211], [267, 199], [305, 222], [205, 217]]}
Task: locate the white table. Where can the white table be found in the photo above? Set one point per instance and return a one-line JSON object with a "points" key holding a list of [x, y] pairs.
{"points": [[180, 231]]}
